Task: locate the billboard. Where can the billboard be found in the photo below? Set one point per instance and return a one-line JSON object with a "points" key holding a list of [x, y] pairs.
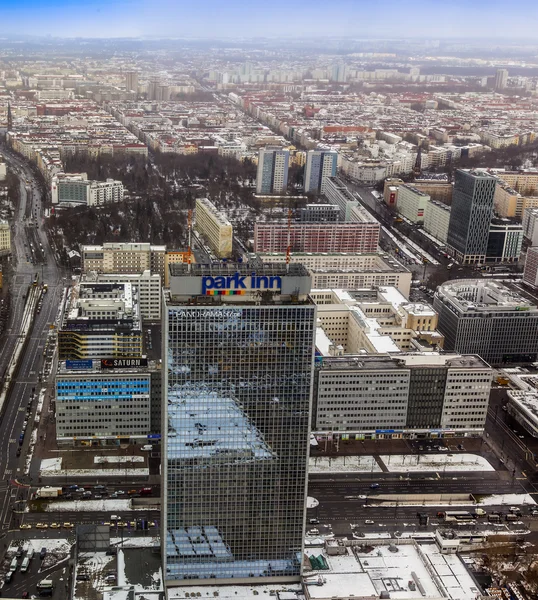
{"points": [[123, 363], [78, 365]]}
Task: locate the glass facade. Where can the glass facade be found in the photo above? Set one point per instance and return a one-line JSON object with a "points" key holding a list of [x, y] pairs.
{"points": [[236, 435]]}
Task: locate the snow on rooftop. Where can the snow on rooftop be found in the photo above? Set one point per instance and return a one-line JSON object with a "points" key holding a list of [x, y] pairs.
{"points": [[350, 464], [90, 505], [323, 342], [431, 462], [240, 592]]}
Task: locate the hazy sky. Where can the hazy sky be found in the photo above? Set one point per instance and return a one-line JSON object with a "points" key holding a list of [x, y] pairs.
{"points": [[374, 18]]}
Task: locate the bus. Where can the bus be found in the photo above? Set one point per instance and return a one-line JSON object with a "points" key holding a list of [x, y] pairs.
{"points": [[25, 565], [457, 516]]}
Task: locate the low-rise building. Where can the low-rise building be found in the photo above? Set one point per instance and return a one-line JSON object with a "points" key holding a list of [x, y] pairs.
{"points": [[407, 395], [487, 318], [348, 270], [100, 320], [436, 220], [124, 258], [507, 201], [78, 190], [148, 286], [214, 227]]}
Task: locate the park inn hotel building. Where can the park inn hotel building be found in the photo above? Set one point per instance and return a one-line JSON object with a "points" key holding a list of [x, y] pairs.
{"points": [[238, 354]]}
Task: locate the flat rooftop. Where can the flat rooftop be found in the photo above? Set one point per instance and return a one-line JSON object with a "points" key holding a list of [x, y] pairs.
{"points": [[287, 591], [229, 269]]}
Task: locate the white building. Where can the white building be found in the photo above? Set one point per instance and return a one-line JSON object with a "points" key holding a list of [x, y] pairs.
{"points": [[346, 270], [338, 194], [3, 171], [530, 225], [412, 203], [400, 396], [214, 227], [5, 237], [436, 220], [147, 284], [78, 190]]}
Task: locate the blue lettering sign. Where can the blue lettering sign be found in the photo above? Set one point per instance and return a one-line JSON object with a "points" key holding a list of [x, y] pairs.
{"points": [[78, 364], [239, 282]]}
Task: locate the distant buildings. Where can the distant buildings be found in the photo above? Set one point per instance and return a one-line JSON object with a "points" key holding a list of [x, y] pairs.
{"points": [[238, 346], [401, 396], [487, 318], [5, 237], [78, 190], [131, 81], [317, 237], [501, 79], [320, 165], [470, 216], [3, 171], [214, 227], [272, 174]]}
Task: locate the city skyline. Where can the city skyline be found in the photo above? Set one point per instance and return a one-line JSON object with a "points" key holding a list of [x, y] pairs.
{"points": [[166, 18]]}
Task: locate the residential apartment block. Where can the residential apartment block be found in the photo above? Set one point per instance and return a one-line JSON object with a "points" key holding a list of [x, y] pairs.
{"points": [[436, 220], [530, 274], [272, 174], [412, 203], [320, 165], [5, 237], [78, 190], [214, 227], [124, 258]]}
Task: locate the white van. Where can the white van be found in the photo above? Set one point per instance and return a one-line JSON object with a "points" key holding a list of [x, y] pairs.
{"points": [[147, 448]]}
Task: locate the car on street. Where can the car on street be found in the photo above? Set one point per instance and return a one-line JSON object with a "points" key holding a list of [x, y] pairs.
{"points": [[374, 486], [42, 525], [369, 522], [55, 525], [120, 493], [68, 525], [25, 526]]}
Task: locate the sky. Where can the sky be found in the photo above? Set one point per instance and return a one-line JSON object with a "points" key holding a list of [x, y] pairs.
{"points": [[257, 18]]}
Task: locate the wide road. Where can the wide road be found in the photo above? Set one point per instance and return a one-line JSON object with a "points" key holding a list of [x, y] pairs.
{"points": [[29, 215]]}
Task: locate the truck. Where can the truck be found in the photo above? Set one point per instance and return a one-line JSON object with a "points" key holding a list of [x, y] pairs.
{"points": [[48, 492]]}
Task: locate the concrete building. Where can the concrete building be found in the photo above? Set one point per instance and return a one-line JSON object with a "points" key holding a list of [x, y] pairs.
{"points": [[504, 241], [3, 171], [404, 396], [530, 274], [124, 258], [522, 396], [317, 237], [391, 189], [501, 79], [412, 203], [107, 403], [320, 165], [337, 193], [347, 270], [470, 216], [530, 226], [272, 174], [100, 320], [238, 381], [148, 288], [373, 321], [173, 257], [436, 220], [507, 201], [524, 182], [439, 190], [319, 213], [214, 227], [5, 237], [131, 81], [75, 190], [487, 318]]}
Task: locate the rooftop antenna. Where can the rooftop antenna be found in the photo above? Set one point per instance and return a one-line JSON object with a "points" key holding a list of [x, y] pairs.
{"points": [[189, 251], [288, 249]]}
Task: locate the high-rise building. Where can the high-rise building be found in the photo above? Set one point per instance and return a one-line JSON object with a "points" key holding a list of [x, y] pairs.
{"points": [[5, 237], [317, 237], [214, 227], [504, 241], [412, 203], [501, 79], [131, 81], [238, 345], [320, 164], [124, 257], [485, 317], [470, 216], [272, 174], [530, 274]]}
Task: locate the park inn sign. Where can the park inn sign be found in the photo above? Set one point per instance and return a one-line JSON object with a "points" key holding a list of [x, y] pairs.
{"points": [[238, 282]]}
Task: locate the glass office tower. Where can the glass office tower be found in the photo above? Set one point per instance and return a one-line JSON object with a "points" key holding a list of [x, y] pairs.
{"points": [[239, 360]]}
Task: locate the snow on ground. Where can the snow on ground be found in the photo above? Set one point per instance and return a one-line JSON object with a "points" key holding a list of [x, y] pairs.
{"points": [[136, 542], [52, 545], [401, 463], [98, 460], [121, 568], [351, 464], [102, 473], [515, 499], [50, 464], [111, 505]]}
